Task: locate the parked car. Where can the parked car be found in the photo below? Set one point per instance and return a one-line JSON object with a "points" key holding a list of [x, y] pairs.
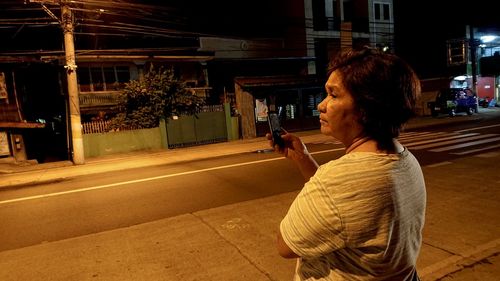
{"points": [[454, 100]]}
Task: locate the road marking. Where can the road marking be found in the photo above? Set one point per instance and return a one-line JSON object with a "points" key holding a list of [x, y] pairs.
{"points": [[450, 141], [151, 179], [484, 155], [488, 154], [439, 164], [467, 144], [414, 144], [477, 128], [425, 135]]}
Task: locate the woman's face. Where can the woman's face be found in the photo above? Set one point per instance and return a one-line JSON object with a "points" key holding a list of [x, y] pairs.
{"points": [[338, 116]]}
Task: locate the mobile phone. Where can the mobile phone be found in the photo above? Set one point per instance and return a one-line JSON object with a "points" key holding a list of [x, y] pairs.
{"points": [[275, 128]]}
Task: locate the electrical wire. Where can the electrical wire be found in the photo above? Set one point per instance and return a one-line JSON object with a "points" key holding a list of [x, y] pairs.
{"points": [[151, 18]]}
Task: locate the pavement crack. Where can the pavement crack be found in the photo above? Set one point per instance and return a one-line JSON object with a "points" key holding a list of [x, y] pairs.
{"points": [[235, 246], [466, 266], [442, 249]]}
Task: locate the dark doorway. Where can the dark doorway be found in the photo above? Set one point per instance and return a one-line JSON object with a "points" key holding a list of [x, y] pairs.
{"points": [[42, 100]]}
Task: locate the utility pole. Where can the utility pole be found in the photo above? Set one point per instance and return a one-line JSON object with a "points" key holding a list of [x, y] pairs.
{"points": [[473, 57], [74, 102]]}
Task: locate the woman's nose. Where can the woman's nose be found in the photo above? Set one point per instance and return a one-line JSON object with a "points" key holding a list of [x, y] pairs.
{"points": [[321, 106]]}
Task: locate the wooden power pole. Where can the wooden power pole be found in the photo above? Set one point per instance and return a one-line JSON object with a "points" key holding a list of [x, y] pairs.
{"points": [[74, 102]]}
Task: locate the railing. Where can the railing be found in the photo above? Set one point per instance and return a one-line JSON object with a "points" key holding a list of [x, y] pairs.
{"points": [[95, 127], [110, 98], [98, 99], [102, 126]]}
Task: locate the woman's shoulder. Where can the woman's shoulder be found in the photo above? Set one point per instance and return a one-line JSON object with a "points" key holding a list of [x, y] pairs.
{"points": [[361, 163], [362, 158]]}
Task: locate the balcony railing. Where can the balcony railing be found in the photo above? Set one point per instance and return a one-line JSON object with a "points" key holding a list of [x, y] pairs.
{"points": [[110, 98], [98, 99]]}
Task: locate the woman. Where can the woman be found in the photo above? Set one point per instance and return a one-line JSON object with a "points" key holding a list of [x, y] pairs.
{"points": [[359, 217]]}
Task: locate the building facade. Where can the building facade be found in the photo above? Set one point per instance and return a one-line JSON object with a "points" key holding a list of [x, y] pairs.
{"points": [[277, 61]]}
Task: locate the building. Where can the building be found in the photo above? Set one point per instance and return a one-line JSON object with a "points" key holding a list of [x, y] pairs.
{"points": [[316, 31], [264, 55]]}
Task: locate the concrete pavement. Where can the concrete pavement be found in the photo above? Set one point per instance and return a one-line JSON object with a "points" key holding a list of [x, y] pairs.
{"points": [[236, 242]]}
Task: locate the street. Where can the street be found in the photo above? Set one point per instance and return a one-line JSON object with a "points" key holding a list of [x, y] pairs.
{"points": [[246, 192]]}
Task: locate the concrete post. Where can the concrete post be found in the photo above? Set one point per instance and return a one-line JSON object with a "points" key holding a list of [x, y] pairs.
{"points": [[74, 102], [473, 57]]}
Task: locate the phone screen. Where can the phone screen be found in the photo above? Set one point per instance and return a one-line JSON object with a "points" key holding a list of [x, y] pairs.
{"points": [[275, 127]]}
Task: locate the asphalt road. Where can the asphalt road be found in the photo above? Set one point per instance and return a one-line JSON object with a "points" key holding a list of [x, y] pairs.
{"points": [[120, 199], [112, 200]]}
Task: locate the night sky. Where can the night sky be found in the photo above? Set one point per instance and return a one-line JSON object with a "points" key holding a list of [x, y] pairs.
{"points": [[422, 28]]}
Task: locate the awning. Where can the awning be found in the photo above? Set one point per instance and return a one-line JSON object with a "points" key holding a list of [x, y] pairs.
{"points": [[278, 81], [21, 125]]}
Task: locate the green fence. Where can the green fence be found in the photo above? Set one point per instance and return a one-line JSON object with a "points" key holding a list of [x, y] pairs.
{"points": [[98, 144], [213, 125], [206, 127]]}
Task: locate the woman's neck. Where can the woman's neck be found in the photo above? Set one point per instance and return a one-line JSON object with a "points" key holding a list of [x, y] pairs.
{"points": [[367, 144], [359, 142]]}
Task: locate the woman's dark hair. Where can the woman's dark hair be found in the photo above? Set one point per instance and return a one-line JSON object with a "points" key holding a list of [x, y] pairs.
{"points": [[384, 88]]}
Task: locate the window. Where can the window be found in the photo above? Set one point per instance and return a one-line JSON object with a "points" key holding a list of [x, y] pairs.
{"points": [[348, 10], [320, 21], [287, 104], [310, 99], [102, 78], [382, 11]]}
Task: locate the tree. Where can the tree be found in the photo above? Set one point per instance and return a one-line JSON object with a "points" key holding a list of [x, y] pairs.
{"points": [[159, 94]]}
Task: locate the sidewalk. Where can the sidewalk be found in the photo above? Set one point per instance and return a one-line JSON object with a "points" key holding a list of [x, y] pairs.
{"points": [[236, 242]]}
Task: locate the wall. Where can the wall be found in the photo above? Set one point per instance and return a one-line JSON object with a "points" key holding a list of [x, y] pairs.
{"points": [[486, 87], [123, 141], [206, 127]]}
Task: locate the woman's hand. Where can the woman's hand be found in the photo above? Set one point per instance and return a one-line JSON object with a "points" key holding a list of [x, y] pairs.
{"points": [[295, 150], [293, 147]]}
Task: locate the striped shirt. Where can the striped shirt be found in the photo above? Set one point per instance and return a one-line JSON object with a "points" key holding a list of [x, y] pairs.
{"points": [[360, 217]]}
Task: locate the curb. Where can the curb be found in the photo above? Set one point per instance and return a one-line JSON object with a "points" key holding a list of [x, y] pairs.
{"points": [[458, 262], [16, 169], [16, 185]]}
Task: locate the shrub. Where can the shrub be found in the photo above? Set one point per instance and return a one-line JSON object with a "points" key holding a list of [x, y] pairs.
{"points": [[159, 94]]}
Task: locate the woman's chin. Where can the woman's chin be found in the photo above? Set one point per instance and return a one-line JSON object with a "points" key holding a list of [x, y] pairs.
{"points": [[325, 130]]}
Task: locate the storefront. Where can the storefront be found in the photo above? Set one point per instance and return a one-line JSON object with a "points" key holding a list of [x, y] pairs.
{"points": [[295, 99]]}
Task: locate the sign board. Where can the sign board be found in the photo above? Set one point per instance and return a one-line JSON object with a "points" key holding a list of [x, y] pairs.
{"points": [[3, 86], [4, 144], [45, 1]]}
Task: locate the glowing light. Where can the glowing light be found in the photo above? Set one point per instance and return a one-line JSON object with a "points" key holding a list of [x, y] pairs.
{"points": [[488, 38]]}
